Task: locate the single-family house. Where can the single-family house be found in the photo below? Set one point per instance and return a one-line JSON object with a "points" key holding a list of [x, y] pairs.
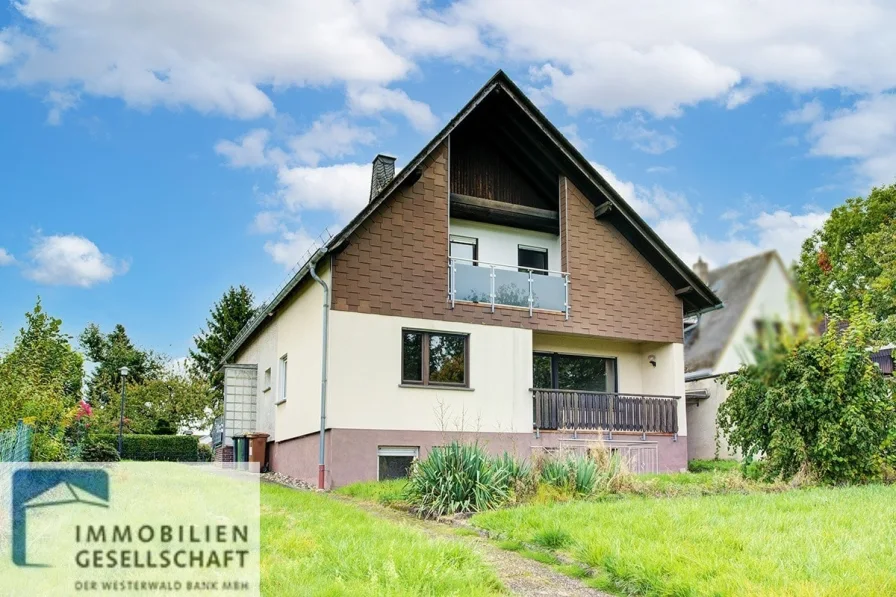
{"points": [[760, 297], [497, 288]]}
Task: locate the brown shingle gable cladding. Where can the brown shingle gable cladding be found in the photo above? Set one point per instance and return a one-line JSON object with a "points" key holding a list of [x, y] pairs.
{"points": [[396, 263]]}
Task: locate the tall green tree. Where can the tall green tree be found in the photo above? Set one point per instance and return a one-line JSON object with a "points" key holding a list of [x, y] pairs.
{"points": [[227, 317], [40, 383], [111, 352], [852, 258], [178, 399]]}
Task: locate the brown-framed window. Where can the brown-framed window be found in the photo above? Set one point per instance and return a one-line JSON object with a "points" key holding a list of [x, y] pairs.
{"points": [[465, 247], [533, 259], [434, 358], [574, 372]]}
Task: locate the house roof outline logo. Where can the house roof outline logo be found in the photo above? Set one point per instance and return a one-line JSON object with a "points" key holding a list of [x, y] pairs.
{"points": [[28, 485]]}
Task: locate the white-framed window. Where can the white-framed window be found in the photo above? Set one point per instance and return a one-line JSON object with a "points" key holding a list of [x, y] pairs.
{"points": [[267, 380], [393, 462], [281, 390]]}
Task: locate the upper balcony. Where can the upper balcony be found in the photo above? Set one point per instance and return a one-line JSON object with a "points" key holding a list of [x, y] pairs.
{"points": [[506, 266], [495, 284]]}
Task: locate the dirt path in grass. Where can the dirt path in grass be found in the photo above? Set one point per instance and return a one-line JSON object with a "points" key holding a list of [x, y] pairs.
{"points": [[522, 576]]}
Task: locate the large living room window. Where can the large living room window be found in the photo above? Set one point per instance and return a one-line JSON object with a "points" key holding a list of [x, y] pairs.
{"points": [[434, 358], [573, 372]]}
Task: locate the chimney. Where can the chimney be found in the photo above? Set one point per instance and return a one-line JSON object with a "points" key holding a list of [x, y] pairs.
{"points": [[701, 269], [383, 173]]}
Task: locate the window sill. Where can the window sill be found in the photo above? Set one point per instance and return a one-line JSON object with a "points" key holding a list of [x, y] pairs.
{"points": [[436, 387], [279, 402]]}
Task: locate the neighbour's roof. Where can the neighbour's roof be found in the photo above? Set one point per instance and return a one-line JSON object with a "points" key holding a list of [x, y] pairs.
{"points": [[524, 121], [735, 284]]}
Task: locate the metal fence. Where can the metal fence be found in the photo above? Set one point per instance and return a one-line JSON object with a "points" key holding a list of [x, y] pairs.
{"points": [[15, 444]]}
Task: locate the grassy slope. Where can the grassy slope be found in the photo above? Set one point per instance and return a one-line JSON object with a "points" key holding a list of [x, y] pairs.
{"points": [[813, 542], [316, 545]]}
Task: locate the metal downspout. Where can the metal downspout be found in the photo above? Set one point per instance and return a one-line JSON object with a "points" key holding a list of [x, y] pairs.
{"points": [[321, 467]]}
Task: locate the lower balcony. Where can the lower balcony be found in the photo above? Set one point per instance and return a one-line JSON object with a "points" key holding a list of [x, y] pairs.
{"points": [[574, 410]]}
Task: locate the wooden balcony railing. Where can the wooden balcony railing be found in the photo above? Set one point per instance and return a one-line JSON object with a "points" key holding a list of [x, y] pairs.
{"points": [[573, 410]]}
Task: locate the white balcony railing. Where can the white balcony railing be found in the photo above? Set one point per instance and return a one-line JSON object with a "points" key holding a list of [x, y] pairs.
{"points": [[507, 285]]}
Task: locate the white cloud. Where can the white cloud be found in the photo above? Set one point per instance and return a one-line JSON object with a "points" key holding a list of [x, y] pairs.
{"points": [[865, 134], [249, 152], [223, 56], [70, 260], [375, 99], [661, 169], [292, 247], [661, 56], [645, 139], [341, 188], [805, 114], [673, 219], [266, 222], [650, 202], [785, 231], [741, 95], [331, 136], [6, 257], [59, 102], [571, 132], [6, 54]]}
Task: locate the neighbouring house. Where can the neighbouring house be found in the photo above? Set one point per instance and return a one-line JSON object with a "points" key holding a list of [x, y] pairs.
{"points": [[760, 297], [495, 288]]}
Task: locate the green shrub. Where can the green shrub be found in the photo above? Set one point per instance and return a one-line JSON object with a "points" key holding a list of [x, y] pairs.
{"points": [[163, 427], [457, 478], [703, 466], [816, 407], [172, 448], [206, 454], [99, 452]]}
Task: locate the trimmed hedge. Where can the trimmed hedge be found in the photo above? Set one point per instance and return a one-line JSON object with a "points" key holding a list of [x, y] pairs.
{"points": [[172, 448]]}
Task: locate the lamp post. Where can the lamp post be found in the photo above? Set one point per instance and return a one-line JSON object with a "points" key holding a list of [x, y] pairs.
{"points": [[124, 374]]}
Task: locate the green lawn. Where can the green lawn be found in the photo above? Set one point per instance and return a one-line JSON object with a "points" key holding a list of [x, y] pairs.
{"points": [[313, 544], [382, 492], [807, 542]]}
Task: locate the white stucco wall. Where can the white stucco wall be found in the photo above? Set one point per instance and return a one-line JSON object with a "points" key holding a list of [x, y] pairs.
{"points": [[499, 244], [774, 300], [295, 331], [702, 421], [365, 374]]}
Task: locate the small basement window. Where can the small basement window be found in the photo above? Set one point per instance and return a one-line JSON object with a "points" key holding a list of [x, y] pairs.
{"points": [[394, 462]]}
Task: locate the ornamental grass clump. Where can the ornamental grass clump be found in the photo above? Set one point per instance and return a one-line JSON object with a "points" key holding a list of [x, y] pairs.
{"points": [[457, 478], [596, 471]]}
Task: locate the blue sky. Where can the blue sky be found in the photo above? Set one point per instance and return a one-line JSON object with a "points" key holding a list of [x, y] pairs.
{"points": [[155, 154]]}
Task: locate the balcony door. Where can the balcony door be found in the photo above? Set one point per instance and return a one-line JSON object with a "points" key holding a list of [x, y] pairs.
{"points": [[573, 372]]}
